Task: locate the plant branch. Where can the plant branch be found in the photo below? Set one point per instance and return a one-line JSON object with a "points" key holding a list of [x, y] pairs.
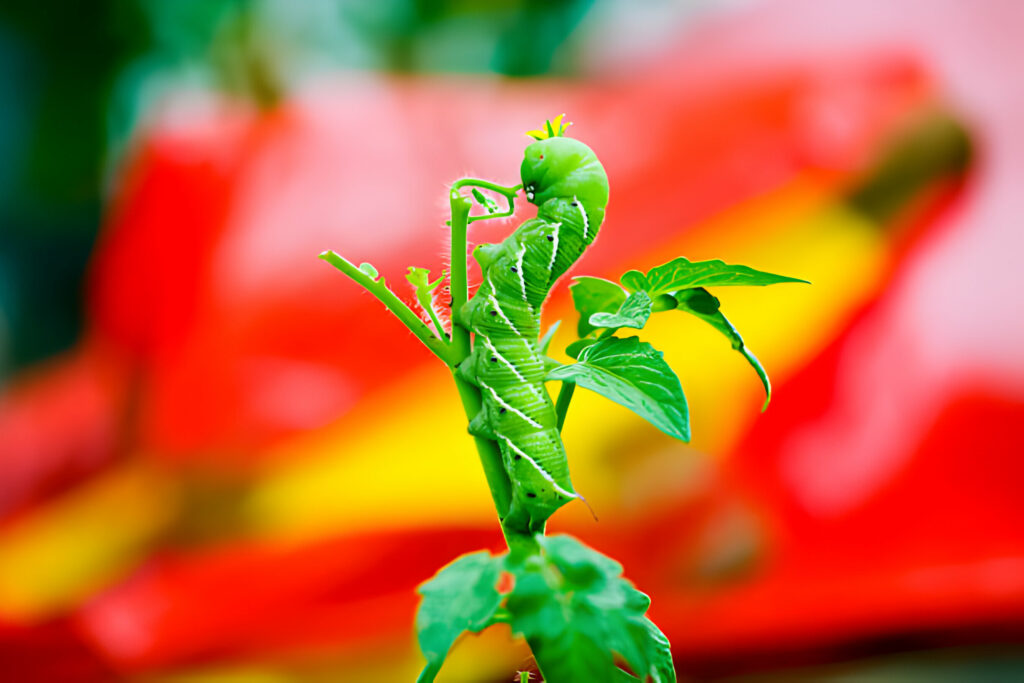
{"points": [[379, 289]]}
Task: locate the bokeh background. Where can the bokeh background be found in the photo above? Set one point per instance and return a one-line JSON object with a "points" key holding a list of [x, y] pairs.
{"points": [[220, 461]]}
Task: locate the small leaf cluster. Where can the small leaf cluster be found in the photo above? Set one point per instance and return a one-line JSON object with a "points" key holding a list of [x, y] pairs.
{"points": [[633, 373], [570, 603]]}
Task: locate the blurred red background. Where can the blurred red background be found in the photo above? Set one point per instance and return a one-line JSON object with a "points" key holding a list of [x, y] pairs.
{"points": [[242, 468]]}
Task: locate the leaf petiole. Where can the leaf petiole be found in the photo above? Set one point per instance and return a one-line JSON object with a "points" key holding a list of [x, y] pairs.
{"points": [[564, 399], [507, 190], [509, 193]]}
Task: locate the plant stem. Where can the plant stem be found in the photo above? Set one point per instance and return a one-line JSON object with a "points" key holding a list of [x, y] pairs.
{"points": [[490, 454], [379, 289], [564, 398], [460, 207]]}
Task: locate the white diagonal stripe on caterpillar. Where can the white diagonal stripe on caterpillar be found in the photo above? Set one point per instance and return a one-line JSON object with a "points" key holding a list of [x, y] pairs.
{"points": [[554, 249], [509, 408], [543, 472], [490, 346], [522, 275], [494, 350], [499, 311], [583, 212]]}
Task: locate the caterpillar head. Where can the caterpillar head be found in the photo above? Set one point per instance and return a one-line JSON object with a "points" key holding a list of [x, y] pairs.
{"points": [[557, 166]]}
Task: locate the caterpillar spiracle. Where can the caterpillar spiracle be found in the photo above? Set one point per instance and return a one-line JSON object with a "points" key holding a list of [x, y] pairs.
{"points": [[564, 178]]}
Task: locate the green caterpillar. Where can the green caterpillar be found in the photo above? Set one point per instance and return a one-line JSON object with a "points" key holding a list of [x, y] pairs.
{"points": [[564, 178]]}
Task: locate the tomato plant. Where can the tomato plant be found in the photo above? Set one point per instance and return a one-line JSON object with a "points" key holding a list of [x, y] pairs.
{"points": [[570, 602]]}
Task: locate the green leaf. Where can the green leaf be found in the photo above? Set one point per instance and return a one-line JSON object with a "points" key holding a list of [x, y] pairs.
{"points": [[462, 597], [681, 274], [633, 374], [577, 612], [633, 312], [699, 302], [659, 653], [419, 278], [634, 281], [574, 349], [663, 302], [593, 295]]}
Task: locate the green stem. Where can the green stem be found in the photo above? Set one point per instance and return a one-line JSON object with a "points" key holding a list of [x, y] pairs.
{"points": [[429, 672], [379, 289], [507, 190], [490, 454], [562, 404], [460, 207], [488, 450], [437, 323]]}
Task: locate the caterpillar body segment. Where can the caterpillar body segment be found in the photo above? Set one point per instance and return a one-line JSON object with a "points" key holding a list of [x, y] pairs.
{"points": [[569, 185]]}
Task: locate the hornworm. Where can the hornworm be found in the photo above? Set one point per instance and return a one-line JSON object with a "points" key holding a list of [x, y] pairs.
{"points": [[564, 178]]}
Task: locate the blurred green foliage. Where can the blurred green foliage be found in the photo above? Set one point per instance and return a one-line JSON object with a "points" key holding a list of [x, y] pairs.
{"points": [[57, 66], [75, 79]]}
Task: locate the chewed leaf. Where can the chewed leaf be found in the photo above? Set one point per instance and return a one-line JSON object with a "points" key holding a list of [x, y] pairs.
{"points": [[700, 303], [681, 273], [489, 204], [578, 614], [633, 312], [369, 270], [633, 374], [419, 278], [593, 295], [461, 597]]}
